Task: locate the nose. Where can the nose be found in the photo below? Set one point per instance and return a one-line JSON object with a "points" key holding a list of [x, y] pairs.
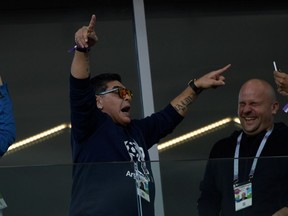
{"points": [[246, 109], [127, 97]]}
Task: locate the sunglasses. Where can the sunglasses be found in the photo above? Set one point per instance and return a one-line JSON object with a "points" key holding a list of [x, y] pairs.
{"points": [[122, 92]]}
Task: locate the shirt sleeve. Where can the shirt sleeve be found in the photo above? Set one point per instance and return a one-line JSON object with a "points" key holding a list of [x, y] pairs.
{"points": [[159, 124], [84, 114], [7, 121]]}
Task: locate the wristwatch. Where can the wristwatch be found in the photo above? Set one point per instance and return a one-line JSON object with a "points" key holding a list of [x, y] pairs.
{"points": [[194, 87]]}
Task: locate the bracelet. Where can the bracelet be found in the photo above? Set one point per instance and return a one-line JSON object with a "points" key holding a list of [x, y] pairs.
{"points": [[79, 49], [194, 87]]}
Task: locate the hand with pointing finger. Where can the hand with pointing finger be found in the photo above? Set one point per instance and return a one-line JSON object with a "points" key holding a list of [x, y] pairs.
{"points": [[86, 37]]}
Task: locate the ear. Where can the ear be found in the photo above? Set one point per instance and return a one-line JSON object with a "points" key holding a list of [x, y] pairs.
{"points": [[275, 107], [99, 102]]}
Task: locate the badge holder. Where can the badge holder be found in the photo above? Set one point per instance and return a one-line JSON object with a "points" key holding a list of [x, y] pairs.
{"points": [[242, 195], [142, 187]]}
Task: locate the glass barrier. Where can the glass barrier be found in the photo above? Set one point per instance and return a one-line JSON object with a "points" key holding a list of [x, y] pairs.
{"points": [[181, 182], [46, 190]]}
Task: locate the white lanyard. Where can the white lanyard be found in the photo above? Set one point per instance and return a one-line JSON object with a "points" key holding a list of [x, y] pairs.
{"points": [[236, 155]]}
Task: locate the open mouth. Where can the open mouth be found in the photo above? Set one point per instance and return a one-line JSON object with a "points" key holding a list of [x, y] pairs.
{"points": [[248, 118], [125, 109]]}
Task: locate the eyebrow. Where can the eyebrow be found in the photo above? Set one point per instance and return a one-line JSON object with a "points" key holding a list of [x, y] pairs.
{"points": [[116, 87]]}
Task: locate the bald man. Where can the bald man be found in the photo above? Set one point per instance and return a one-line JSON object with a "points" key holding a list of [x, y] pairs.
{"points": [[246, 173]]}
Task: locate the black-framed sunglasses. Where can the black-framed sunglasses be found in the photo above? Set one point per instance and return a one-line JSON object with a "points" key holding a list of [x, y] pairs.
{"points": [[122, 92]]}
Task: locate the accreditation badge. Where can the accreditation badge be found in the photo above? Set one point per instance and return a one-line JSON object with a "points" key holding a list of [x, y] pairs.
{"points": [[242, 195]]}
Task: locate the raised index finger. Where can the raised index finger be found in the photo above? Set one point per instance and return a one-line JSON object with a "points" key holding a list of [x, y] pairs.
{"points": [[92, 24], [221, 70]]}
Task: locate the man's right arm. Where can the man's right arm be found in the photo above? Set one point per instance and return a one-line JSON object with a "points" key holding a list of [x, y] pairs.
{"points": [[85, 38], [80, 65]]}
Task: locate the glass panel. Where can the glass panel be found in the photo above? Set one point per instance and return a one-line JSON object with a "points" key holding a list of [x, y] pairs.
{"points": [[36, 190], [36, 63], [46, 190], [43, 101], [181, 187], [188, 39]]}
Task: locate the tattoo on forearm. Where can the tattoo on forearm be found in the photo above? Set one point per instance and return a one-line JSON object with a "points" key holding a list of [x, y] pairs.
{"points": [[182, 106]]}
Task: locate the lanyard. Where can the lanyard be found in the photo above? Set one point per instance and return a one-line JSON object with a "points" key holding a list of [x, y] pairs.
{"points": [[236, 155]]}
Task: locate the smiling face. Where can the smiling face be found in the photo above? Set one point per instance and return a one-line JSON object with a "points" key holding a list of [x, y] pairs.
{"points": [[257, 106], [116, 107]]}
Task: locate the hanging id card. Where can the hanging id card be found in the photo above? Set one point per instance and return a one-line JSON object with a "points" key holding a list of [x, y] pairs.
{"points": [[242, 195]]}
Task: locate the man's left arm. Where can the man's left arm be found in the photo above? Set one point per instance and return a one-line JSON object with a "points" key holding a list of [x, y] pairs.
{"points": [[189, 95]]}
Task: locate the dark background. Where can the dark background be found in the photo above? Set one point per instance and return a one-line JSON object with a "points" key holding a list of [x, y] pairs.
{"points": [[186, 39]]}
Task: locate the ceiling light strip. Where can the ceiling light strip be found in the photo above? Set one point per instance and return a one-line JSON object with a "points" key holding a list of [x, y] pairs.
{"points": [[39, 136], [194, 133], [161, 146], [236, 120]]}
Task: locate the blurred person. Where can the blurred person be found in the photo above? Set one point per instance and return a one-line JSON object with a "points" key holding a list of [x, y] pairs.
{"points": [[7, 127], [7, 121]]}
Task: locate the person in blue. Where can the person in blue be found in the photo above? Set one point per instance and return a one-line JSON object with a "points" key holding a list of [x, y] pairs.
{"points": [[253, 160], [103, 133], [7, 121], [7, 126]]}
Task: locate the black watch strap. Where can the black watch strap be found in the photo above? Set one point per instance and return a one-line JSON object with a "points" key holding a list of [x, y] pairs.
{"points": [[79, 49], [194, 87]]}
